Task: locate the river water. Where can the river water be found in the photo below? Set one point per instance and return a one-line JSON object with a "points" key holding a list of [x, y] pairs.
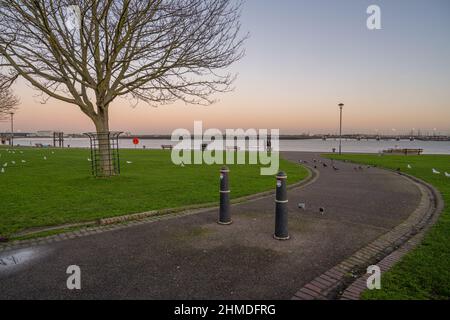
{"points": [[314, 145]]}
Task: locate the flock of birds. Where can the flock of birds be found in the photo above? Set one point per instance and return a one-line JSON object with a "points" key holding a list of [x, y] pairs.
{"points": [[319, 162], [13, 162], [434, 171], [437, 172], [302, 206], [5, 165], [316, 162]]}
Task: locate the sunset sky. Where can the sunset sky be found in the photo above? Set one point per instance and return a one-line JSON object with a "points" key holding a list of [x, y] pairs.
{"points": [[302, 59]]}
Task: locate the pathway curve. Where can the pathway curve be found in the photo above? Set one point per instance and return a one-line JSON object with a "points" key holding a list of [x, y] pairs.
{"points": [[192, 257]]}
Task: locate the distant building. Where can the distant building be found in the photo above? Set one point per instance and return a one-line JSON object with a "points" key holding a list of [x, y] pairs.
{"points": [[16, 134], [44, 134]]}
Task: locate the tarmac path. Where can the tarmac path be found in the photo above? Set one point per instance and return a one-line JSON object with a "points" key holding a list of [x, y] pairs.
{"points": [[192, 257]]}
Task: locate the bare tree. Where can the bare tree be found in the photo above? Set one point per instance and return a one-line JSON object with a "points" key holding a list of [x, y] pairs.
{"points": [[8, 101], [89, 53]]}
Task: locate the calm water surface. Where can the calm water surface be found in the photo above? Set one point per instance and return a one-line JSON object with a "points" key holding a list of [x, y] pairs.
{"points": [[371, 146]]}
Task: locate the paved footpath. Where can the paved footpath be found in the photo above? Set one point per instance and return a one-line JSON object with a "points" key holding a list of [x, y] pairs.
{"points": [[192, 257]]}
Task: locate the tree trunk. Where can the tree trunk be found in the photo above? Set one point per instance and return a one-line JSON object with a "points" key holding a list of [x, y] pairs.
{"points": [[105, 161]]}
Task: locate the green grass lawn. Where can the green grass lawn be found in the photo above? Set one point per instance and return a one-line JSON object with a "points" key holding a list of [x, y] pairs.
{"points": [[61, 190], [424, 273]]}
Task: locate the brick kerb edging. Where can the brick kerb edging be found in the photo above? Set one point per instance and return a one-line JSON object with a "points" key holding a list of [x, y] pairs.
{"points": [[347, 280]]}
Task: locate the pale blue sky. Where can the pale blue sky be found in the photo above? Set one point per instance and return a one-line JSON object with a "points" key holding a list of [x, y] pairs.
{"points": [[303, 58]]}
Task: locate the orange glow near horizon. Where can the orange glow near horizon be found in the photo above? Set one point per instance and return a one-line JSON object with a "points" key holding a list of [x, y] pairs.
{"points": [[291, 117], [302, 59]]}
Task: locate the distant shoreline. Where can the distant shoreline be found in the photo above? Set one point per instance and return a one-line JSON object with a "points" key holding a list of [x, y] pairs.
{"points": [[282, 137]]}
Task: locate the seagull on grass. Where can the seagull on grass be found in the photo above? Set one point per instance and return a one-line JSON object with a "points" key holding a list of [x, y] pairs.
{"points": [[3, 170], [409, 166], [435, 171], [447, 174]]}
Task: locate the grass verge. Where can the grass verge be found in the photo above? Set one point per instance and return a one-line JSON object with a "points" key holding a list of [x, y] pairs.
{"points": [[424, 273], [51, 187]]}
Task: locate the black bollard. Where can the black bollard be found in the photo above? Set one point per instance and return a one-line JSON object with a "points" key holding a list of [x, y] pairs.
{"points": [[281, 211], [225, 214]]}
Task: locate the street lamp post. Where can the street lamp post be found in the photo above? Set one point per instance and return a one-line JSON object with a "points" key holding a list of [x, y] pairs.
{"points": [[12, 129], [341, 106]]}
